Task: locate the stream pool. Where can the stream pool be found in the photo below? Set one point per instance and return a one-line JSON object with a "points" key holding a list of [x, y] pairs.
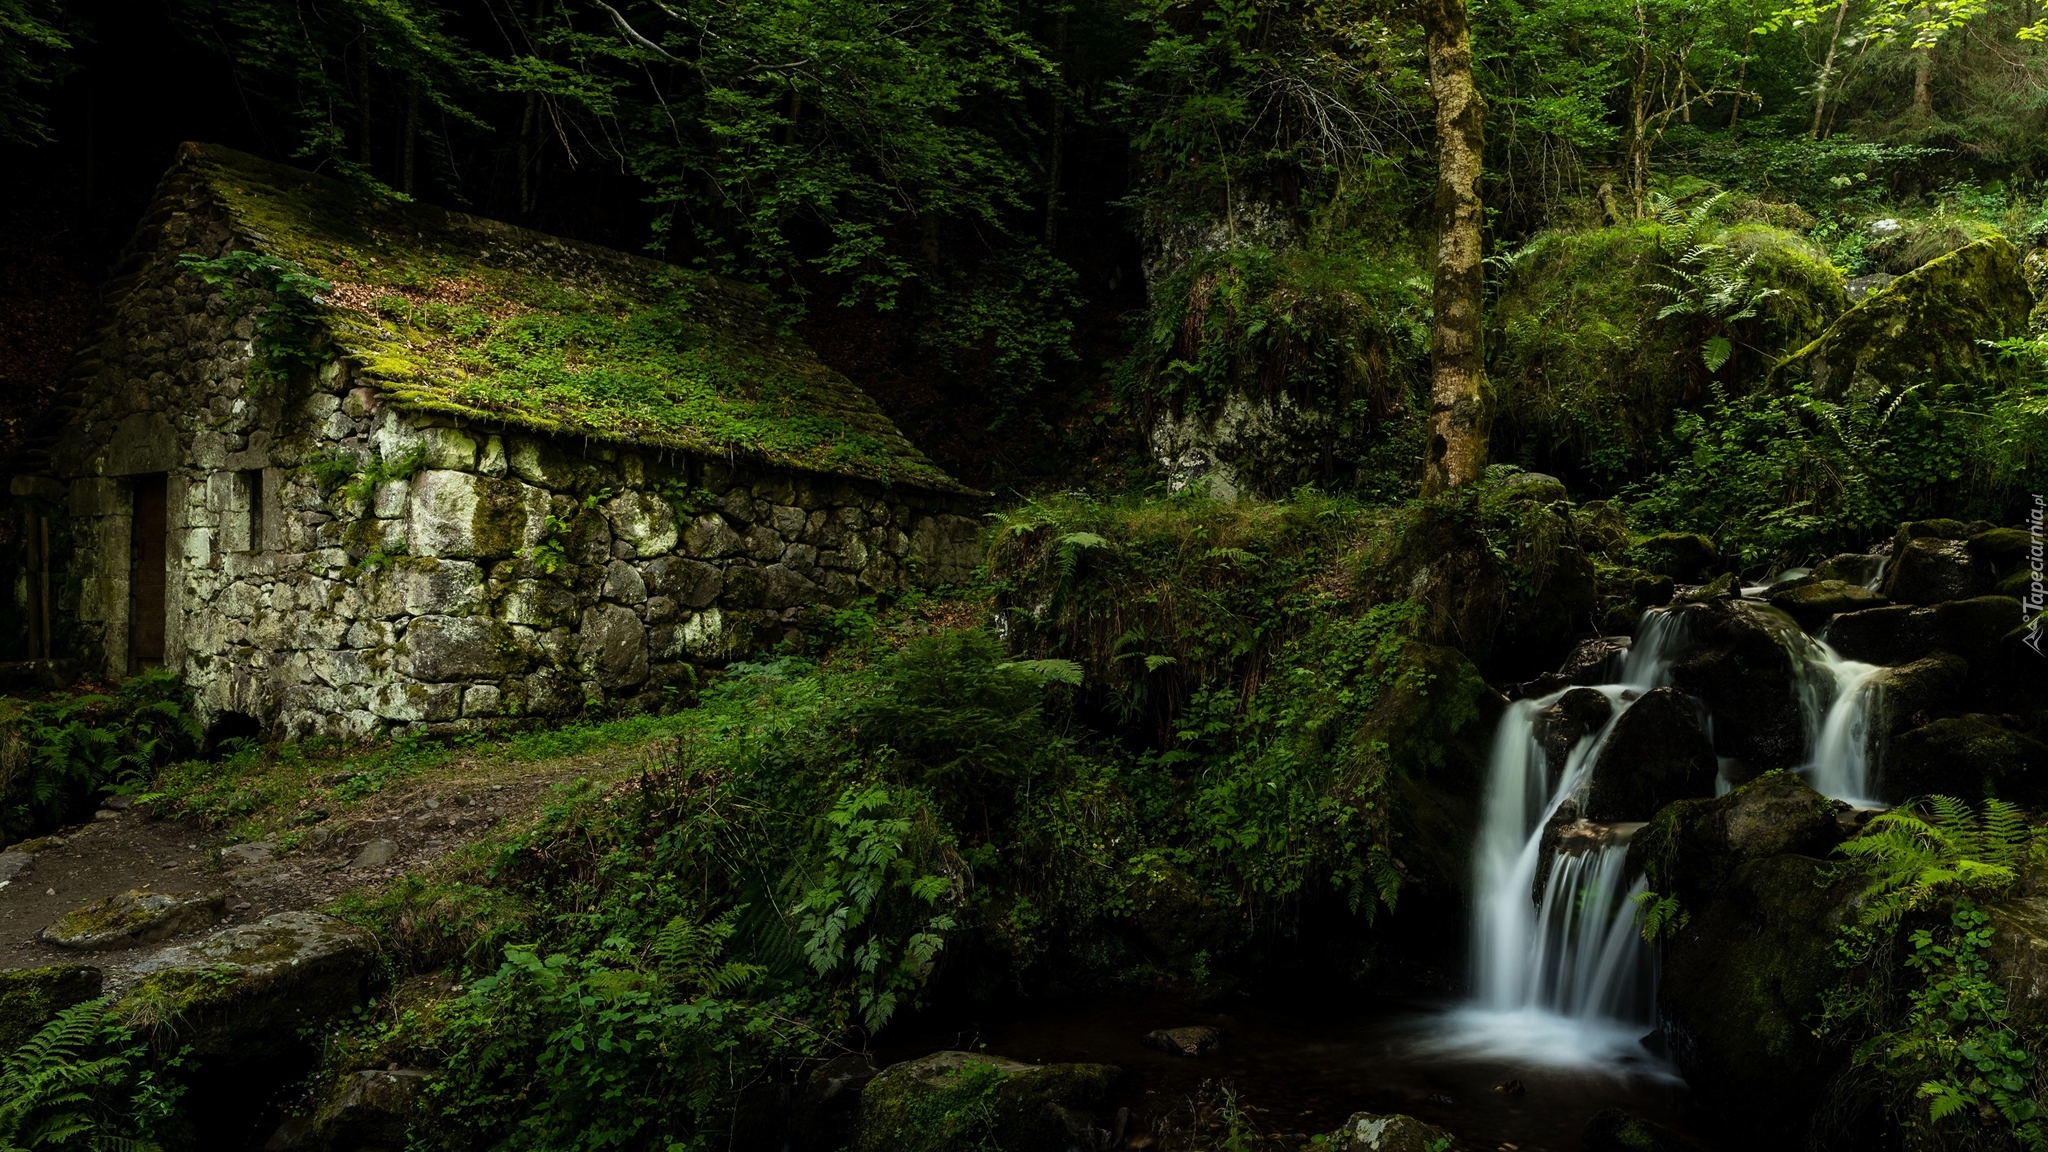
{"points": [[1302, 1068]]}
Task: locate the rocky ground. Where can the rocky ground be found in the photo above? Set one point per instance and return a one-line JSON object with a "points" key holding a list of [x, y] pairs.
{"points": [[361, 845]]}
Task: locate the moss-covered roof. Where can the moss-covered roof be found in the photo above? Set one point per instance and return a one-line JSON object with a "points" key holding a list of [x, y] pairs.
{"points": [[455, 314]]}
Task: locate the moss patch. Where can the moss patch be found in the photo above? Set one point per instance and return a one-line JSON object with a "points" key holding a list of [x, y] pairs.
{"points": [[30, 997], [454, 314], [1923, 329]]}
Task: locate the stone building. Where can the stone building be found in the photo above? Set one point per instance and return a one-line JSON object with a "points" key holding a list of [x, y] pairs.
{"points": [[350, 465]]}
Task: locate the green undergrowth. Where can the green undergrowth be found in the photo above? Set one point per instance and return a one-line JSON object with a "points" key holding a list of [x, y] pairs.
{"points": [[1792, 477], [62, 754], [1931, 1036], [255, 790], [1600, 337]]}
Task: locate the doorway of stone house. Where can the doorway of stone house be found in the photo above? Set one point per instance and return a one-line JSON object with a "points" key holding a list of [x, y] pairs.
{"points": [[147, 575]]}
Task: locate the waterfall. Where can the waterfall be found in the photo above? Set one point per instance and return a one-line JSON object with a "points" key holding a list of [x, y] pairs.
{"points": [[1565, 980], [1839, 699]]}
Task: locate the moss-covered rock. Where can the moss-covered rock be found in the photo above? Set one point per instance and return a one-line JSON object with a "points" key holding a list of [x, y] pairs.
{"points": [[1972, 757], [953, 1100], [1814, 604], [127, 919], [1587, 378], [1930, 570], [1371, 1132], [1741, 665], [245, 993], [1656, 753], [1693, 848], [1613, 1130], [1683, 556], [1922, 329], [1909, 694], [1740, 985], [30, 997]]}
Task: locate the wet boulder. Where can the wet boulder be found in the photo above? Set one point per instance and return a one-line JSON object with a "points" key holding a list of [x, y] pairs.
{"points": [[1930, 570], [1559, 728], [2002, 549], [31, 997], [1371, 1132], [950, 1100], [1814, 603], [1686, 557], [1593, 661], [128, 919], [1909, 694], [1656, 753], [1742, 667], [1740, 985], [1971, 757], [246, 992], [1693, 848], [1860, 568]]}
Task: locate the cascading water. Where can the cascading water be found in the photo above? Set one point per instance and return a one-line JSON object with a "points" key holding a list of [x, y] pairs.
{"points": [[1567, 980], [1839, 698]]}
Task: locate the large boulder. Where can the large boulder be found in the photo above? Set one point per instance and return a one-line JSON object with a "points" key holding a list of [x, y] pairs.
{"points": [[1656, 753], [31, 997], [364, 1111], [246, 993], [1814, 603], [1741, 665], [1908, 695], [1694, 848], [1930, 570], [1972, 757], [1371, 1132], [951, 1100], [1740, 986], [1929, 328], [1686, 557]]}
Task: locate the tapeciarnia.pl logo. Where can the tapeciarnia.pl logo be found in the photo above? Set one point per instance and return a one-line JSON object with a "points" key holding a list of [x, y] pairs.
{"points": [[2037, 592]]}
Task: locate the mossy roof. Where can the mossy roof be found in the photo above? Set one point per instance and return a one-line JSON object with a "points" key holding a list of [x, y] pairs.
{"points": [[455, 314]]}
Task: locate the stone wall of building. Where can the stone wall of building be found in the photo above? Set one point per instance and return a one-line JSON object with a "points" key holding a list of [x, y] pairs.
{"points": [[341, 566]]}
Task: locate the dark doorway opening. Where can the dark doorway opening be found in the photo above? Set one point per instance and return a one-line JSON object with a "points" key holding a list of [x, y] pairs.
{"points": [[148, 574]]}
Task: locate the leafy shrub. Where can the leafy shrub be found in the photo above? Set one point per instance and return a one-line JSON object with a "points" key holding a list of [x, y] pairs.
{"points": [[78, 748]]}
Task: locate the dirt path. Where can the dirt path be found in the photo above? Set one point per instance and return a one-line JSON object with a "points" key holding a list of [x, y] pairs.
{"points": [[410, 824]]}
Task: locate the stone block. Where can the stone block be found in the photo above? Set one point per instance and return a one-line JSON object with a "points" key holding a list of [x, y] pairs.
{"points": [[416, 702], [450, 448], [391, 499], [537, 603], [784, 588], [443, 648], [623, 583], [709, 537], [612, 648], [462, 514], [482, 700], [761, 543], [644, 520]]}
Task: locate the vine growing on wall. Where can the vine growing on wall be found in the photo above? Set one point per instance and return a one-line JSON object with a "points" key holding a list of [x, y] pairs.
{"points": [[285, 299]]}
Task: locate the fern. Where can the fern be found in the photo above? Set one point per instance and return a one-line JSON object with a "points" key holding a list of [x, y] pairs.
{"points": [[48, 1086], [1919, 857]]}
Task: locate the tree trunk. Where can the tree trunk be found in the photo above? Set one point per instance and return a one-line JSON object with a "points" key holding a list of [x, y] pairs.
{"points": [[1458, 417], [1639, 117], [1056, 139], [412, 132], [1827, 71], [1923, 83]]}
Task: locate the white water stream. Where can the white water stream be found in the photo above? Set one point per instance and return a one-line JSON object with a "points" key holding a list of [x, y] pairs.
{"points": [[1567, 980]]}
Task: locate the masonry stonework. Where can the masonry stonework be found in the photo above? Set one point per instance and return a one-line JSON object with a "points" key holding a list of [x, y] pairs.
{"points": [[339, 565]]}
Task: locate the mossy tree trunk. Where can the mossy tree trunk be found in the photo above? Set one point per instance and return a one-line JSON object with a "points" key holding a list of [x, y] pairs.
{"points": [[1458, 417]]}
